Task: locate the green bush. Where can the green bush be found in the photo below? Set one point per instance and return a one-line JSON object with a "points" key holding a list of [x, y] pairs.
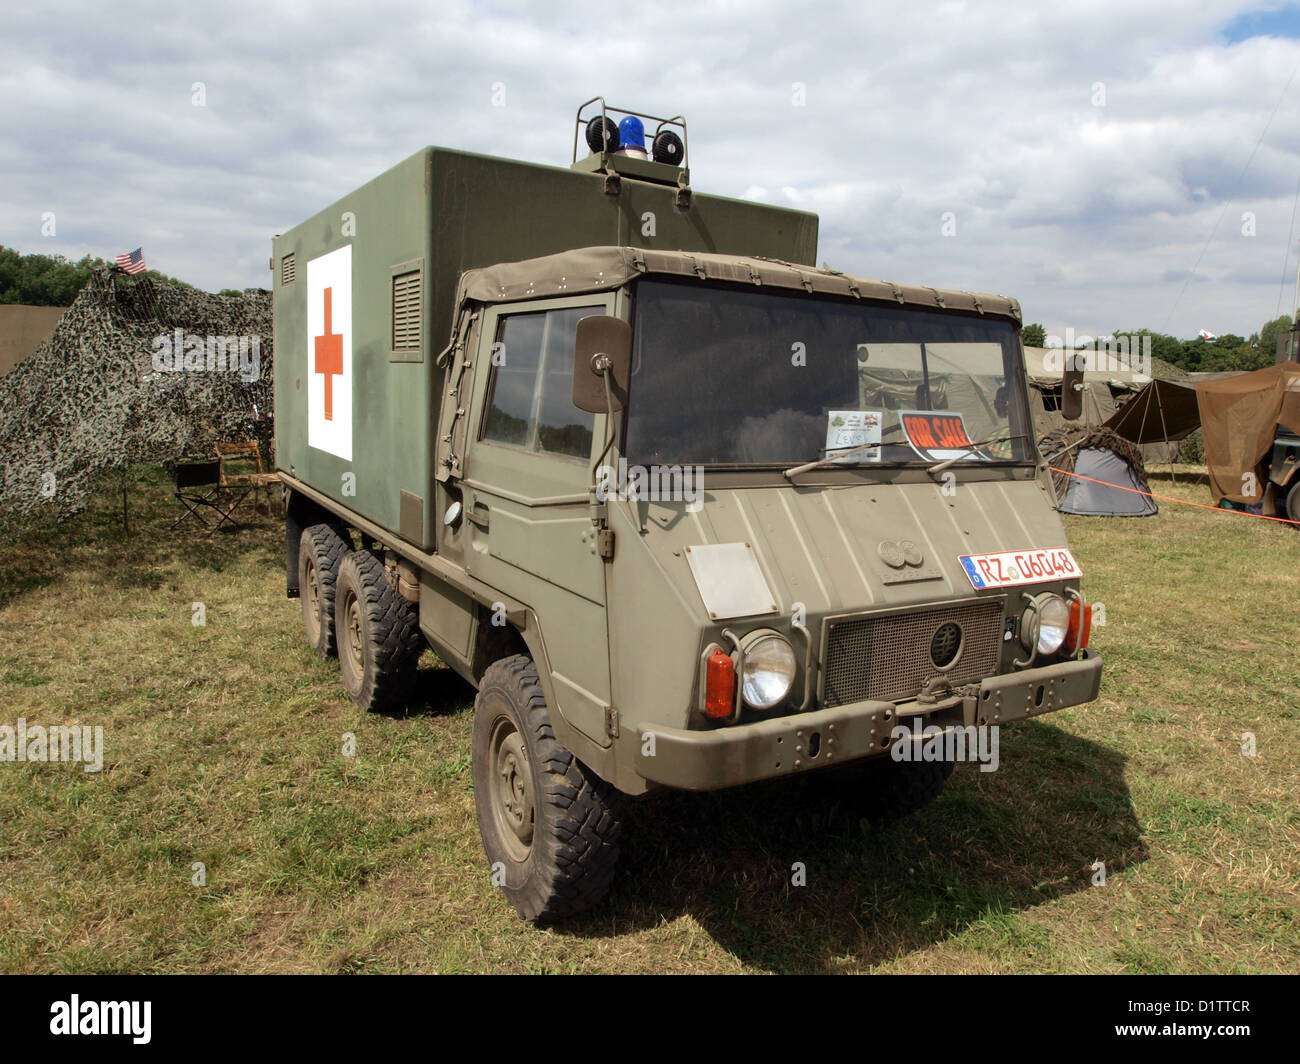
{"points": [[1192, 451]]}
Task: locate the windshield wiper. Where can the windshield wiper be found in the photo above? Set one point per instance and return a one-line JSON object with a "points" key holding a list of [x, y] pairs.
{"points": [[827, 459], [939, 467]]}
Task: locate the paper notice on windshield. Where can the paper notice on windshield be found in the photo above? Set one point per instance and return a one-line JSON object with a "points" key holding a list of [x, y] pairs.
{"points": [[938, 436], [847, 429]]}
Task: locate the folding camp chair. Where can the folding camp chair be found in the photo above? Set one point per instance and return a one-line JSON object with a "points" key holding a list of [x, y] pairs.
{"points": [[246, 452], [199, 490]]}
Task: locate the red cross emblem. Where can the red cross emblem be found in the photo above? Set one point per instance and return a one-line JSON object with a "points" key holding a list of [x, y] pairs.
{"points": [[329, 355]]}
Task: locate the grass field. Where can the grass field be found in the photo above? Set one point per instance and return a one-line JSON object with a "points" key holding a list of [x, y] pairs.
{"points": [[224, 747]]}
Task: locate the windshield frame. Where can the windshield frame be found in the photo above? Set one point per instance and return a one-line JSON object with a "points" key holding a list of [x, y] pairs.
{"points": [[1013, 356]]}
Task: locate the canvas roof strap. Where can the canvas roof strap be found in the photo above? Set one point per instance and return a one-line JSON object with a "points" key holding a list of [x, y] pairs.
{"points": [[599, 268]]}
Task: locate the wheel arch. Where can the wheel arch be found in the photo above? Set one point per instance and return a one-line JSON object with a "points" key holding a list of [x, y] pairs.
{"points": [[599, 759]]}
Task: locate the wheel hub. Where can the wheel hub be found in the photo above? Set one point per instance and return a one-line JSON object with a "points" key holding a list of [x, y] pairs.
{"points": [[355, 653], [313, 600], [512, 791]]}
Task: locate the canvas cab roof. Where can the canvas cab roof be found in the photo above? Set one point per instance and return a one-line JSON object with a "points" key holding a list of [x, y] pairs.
{"points": [[597, 269]]}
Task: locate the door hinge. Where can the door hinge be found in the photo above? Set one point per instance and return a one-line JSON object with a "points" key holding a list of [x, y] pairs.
{"points": [[611, 722], [605, 543]]}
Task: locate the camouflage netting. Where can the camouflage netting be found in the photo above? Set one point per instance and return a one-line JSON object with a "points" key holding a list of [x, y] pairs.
{"points": [[91, 399], [1062, 446]]}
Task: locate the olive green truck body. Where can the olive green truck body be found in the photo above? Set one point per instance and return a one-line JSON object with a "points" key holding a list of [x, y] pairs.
{"points": [[438, 214], [438, 302]]}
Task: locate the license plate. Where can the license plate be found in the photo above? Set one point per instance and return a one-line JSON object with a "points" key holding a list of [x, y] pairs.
{"points": [[1010, 568]]}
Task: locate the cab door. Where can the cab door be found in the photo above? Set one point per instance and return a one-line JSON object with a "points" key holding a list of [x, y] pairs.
{"points": [[526, 520]]}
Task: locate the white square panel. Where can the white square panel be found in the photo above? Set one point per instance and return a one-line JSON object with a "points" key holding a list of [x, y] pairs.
{"points": [[730, 581]]}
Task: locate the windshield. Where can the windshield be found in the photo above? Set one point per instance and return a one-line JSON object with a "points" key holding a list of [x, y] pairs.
{"points": [[726, 377]]}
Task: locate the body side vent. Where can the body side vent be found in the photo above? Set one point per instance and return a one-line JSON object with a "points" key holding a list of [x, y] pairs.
{"points": [[408, 312]]}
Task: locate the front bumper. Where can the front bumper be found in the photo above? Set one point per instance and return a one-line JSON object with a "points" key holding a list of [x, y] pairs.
{"points": [[743, 753]]}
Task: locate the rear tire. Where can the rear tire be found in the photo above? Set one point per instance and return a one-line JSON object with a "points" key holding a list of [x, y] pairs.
{"points": [[1293, 501], [884, 790], [378, 633], [548, 828], [320, 552]]}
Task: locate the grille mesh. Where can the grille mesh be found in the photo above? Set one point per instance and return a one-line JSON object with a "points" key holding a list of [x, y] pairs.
{"points": [[888, 658], [288, 269]]}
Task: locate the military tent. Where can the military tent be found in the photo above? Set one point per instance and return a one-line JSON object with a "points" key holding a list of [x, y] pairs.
{"points": [[1240, 416], [1098, 474], [1239, 412], [1109, 384], [22, 330]]}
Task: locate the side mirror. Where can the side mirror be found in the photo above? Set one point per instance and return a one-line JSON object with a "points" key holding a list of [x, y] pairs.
{"points": [[1072, 390], [602, 341]]}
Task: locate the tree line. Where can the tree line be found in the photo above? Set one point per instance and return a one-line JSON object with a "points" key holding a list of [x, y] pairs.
{"points": [[54, 280], [1223, 353]]}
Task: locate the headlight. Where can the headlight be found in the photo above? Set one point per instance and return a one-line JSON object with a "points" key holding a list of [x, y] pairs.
{"points": [[1044, 624], [768, 669]]}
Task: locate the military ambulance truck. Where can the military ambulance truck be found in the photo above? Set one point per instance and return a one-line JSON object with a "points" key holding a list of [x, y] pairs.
{"points": [[686, 510]]}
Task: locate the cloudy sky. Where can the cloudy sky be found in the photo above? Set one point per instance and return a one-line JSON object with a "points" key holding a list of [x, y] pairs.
{"points": [[1102, 161]]}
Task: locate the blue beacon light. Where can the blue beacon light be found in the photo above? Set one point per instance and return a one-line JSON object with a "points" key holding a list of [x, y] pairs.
{"points": [[631, 137]]}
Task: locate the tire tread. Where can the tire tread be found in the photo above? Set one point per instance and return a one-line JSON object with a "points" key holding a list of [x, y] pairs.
{"points": [[392, 631], [327, 547], [578, 862]]}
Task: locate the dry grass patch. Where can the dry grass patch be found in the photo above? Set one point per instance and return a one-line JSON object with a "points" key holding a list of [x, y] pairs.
{"points": [[224, 747]]}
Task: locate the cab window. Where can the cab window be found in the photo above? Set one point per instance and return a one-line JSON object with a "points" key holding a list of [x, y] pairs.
{"points": [[530, 397]]}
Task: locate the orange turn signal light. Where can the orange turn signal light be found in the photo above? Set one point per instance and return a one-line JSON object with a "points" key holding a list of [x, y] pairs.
{"points": [[1080, 628], [719, 685]]}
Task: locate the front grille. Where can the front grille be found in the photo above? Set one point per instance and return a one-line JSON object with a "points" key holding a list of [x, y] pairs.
{"points": [[888, 658]]}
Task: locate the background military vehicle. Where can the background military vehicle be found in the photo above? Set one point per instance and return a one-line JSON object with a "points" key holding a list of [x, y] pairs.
{"points": [[687, 510], [1284, 462]]}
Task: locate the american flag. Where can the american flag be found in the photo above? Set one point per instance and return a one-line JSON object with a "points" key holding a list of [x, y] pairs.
{"points": [[132, 261]]}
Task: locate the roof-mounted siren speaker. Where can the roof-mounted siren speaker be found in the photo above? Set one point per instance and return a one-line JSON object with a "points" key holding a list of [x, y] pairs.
{"points": [[667, 148], [632, 145], [602, 134]]}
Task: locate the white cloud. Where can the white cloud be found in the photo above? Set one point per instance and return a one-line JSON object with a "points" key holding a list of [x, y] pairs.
{"points": [[1090, 215]]}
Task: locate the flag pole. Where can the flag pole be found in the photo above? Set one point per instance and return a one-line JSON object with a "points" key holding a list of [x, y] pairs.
{"points": [[1295, 305], [1293, 341]]}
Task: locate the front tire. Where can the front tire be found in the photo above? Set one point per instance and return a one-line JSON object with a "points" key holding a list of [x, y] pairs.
{"points": [[548, 828]]}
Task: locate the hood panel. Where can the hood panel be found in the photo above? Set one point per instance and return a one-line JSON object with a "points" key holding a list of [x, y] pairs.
{"points": [[844, 548]]}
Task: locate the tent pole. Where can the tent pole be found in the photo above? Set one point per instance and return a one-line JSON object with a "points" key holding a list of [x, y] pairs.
{"points": [[1146, 409], [1164, 431]]}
